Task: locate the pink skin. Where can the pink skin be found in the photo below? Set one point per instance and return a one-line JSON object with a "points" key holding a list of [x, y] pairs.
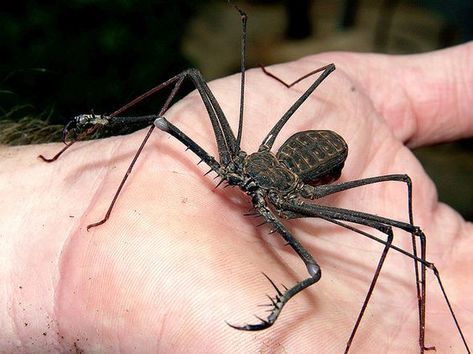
{"points": [[177, 258]]}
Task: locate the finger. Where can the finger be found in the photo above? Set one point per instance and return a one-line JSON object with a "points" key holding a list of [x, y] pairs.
{"points": [[424, 98]]}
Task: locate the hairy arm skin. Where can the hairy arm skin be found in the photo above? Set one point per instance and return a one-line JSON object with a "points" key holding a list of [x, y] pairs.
{"points": [[177, 258]]}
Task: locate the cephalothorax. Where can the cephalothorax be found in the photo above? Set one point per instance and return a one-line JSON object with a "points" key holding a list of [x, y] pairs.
{"points": [[282, 184]]}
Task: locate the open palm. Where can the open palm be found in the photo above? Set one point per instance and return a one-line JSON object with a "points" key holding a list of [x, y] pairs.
{"points": [[178, 258]]}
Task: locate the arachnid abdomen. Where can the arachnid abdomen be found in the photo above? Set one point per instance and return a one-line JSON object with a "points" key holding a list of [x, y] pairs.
{"points": [[316, 156]]}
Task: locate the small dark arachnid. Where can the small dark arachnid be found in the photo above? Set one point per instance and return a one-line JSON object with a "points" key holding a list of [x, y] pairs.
{"points": [[280, 184]]}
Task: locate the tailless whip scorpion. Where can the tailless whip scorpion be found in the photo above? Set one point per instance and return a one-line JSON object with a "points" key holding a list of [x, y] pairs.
{"points": [[281, 185]]}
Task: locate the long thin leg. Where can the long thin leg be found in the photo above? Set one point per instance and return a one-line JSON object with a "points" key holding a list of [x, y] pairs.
{"points": [[226, 141], [225, 138], [122, 183], [388, 244], [244, 19], [330, 213], [59, 153], [77, 121], [143, 143], [219, 123], [388, 231], [227, 145], [416, 259], [263, 68], [271, 137], [164, 125], [314, 192]]}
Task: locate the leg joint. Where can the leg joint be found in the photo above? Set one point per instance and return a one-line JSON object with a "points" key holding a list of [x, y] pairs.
{"points": [[314, 271]]}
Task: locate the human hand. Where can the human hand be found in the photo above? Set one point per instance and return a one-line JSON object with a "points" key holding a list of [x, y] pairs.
{"points": [[177, 258]]}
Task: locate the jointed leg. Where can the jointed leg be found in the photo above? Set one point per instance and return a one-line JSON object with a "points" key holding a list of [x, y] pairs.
{"points": [[122, 182], [386, 229], [224, 135], [294, 82], [389, 232], [271, 137], [337, 215], [315, 192], [225, 138], [143, 143]]}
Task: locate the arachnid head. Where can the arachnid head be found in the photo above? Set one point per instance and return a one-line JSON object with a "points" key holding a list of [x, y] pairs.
{"points": [[83, 125]]}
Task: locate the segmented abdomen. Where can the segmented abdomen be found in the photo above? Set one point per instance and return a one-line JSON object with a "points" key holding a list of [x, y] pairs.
{"points": [[316, 156]]}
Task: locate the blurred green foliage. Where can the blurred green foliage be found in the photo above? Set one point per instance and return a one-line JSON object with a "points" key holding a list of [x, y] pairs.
{"points": [[67, 57]]}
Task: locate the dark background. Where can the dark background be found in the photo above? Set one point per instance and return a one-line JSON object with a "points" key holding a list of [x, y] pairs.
{"points": [[62, 58]]}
